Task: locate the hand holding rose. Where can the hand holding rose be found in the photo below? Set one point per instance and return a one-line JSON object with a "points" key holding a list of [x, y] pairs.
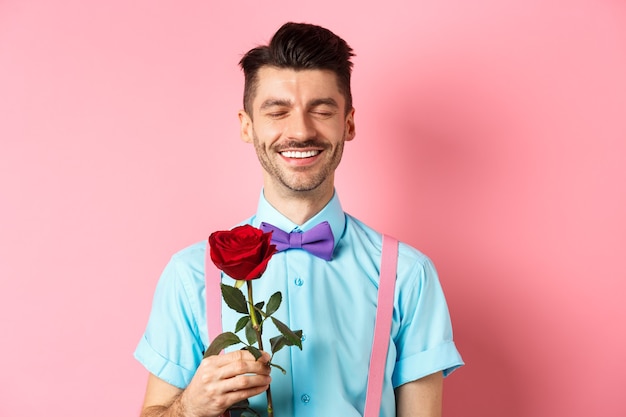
{"points": [[223, 380], [243, 253]]}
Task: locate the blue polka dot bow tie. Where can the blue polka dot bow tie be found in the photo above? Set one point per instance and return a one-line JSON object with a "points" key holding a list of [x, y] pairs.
{"points": [[318, 241]]}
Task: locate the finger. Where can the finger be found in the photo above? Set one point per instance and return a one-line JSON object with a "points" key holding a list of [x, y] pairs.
{"points": [[242, 367], [233, 397], [236, 366], [244, 383], [241, 355]]}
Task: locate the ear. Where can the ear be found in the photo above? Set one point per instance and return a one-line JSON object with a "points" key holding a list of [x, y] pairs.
{"points": [[245, 126], [350, 128]]}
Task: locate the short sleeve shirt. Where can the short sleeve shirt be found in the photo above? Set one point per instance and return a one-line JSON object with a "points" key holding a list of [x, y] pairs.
{"points": [[332, 302]]}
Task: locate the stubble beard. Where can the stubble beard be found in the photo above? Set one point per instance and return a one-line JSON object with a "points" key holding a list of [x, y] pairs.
{"points": [[293, 181]]}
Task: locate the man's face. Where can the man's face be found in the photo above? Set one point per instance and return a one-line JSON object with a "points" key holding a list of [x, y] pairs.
{"points": [[298, 127]]}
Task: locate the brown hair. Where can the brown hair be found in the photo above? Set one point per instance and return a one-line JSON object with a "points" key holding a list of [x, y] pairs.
{"points": [[299, 46]]}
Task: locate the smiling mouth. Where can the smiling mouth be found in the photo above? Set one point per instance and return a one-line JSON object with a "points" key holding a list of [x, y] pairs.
{"points": [[299, 154]]}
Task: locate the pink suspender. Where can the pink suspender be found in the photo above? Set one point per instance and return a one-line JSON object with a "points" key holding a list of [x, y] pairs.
{"points": [[213, 296], [382, 328]]}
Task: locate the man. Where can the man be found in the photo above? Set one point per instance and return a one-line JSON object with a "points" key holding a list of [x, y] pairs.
{"points": [[298, 114]]}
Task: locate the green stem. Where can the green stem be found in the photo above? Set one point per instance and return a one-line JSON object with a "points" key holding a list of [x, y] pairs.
{"points": [[255, 323], [257, 330]]}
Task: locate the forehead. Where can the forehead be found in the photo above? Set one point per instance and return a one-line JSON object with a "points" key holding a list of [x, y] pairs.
{"points": [[296, 85]]}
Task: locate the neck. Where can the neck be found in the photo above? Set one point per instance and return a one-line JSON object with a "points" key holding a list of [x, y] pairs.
{"points": [[298, 206]]}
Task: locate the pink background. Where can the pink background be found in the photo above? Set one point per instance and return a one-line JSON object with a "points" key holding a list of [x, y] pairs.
{"points": [[492, 133]]}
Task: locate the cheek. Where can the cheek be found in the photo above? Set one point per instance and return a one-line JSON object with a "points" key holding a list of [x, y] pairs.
{"points": [[268, 131], [332, 131]]}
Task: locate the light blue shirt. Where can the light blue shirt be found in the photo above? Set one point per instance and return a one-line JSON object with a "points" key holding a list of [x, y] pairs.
{"points": [[333, 303]]}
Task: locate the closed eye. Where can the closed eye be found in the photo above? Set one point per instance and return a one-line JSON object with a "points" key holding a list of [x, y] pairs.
{"points": [[275, 108], [277, 114], [324, 108], [323, 114]]}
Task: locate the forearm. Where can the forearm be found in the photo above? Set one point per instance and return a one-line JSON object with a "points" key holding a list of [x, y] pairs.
{"points": [[174, 410], [420, 398], [159, 411]]}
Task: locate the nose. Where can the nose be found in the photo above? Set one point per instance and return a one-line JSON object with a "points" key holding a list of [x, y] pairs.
{"points": [[300, 126]]}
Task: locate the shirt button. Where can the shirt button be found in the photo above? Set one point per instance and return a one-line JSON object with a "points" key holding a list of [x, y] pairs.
{"points": [[305, 398], [298, 281]]}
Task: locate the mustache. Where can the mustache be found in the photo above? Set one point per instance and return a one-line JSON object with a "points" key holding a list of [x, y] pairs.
{"points": [[295, 144]]}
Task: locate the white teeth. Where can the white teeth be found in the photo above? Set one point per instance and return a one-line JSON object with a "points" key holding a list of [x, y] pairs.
{"points": [[298, 154]]}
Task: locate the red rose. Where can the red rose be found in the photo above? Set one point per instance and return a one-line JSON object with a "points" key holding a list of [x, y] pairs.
{"points": [[243, 252]]}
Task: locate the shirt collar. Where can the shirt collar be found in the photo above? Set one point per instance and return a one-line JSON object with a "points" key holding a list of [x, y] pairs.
{"points": [[332, 213]]}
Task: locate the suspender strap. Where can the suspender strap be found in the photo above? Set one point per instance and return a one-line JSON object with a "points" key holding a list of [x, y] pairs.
{"points": [[213, 296], [382, 328]]}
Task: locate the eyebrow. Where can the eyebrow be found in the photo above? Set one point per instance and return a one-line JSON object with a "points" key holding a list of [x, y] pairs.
{"points": [[277, 102], [324, 102]]}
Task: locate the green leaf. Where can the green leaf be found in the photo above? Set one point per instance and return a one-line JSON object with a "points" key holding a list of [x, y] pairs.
{"points": [[256, 352], [279, 342], [250, 334], [221, 342], [292, 339], [274, 303], [242, 323], [234, 298], [260, 305], [299, 334]]}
